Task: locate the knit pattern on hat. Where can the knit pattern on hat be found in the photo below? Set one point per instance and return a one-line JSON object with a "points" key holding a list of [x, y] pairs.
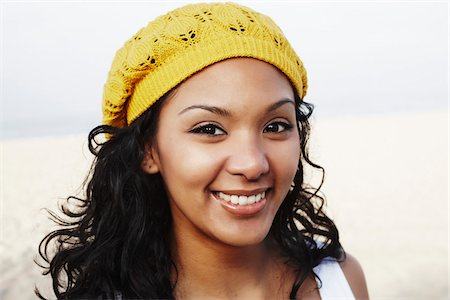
{"points": [[184, 41]]}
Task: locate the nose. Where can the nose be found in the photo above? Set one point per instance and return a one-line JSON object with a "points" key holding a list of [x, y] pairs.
{"points": [[248, 159]]}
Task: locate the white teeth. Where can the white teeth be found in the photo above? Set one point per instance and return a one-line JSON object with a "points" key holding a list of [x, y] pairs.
{"points": [[258, 197], [242, 200], [225, 197]]}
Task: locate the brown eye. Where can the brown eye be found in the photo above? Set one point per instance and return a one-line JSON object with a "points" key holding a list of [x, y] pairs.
{"points": [[278, 127], [208, 129]]}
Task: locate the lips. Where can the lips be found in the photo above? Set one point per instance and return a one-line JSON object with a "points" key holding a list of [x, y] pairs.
{"points": [[242, 203], [242, 199]]}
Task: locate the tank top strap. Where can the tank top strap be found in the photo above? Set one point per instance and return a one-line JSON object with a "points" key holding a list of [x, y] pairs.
{"points": [[334, 284]]}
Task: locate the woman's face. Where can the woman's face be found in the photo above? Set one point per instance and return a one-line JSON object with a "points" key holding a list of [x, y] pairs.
{"points": [[227, 147]]}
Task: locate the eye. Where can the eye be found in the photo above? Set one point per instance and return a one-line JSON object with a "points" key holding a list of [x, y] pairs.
{"points": [[278, 127], [208, 129]]}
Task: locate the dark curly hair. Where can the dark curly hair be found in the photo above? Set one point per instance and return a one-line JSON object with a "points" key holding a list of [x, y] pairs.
{"points": [[115, 238]]}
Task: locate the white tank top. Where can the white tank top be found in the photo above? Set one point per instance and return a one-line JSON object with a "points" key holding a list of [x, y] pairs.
{"points": [[334, 284]]}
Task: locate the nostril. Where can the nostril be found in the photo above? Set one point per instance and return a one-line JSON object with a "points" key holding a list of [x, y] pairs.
{"points": [[251, 169], [248, 159]]}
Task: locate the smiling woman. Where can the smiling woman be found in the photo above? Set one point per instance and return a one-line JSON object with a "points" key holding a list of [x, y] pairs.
{"points": [[221, 147], [198, 189]]}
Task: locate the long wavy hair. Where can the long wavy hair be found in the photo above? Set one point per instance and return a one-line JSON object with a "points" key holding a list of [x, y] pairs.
{"points": [[114, 239]]}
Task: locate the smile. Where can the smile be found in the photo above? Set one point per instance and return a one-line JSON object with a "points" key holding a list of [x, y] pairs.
{"points": [[241, 199], [242, 205]]}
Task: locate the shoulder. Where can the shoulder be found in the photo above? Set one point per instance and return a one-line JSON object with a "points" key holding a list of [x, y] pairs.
{"points": [[355, 276]]}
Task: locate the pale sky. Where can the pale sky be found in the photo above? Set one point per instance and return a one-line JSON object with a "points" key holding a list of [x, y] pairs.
{"points": [[361, 57]]}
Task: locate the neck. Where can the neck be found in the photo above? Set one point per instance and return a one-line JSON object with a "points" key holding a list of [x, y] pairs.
{"points": [[206, 267]]}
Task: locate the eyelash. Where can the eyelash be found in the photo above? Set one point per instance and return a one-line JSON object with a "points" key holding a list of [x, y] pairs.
{"points": [[210, 129], [287, 127], [206, 130]]}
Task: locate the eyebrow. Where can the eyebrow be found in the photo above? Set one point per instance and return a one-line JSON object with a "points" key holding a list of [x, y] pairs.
{"points": [[226, 113], [214, 109], [280, 103]]}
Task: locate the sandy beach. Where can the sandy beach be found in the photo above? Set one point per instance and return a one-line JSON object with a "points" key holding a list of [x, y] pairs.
{"points": [[386, 187]]}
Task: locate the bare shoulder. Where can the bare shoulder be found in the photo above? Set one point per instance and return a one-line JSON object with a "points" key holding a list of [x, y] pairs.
{"points": [[355, 276]]}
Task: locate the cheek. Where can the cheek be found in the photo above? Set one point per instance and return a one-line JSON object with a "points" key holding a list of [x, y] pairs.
{"points": [[285, 161], [186, 164]]}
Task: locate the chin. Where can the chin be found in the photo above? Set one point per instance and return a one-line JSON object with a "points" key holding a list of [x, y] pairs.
{"points": [[247, 238]]}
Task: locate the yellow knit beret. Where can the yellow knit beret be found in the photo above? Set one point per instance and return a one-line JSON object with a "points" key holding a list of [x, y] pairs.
{"points": [[182, 42]]}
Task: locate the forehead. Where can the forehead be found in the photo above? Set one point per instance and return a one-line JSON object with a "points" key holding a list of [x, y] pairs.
{"points": [[236, 81]]}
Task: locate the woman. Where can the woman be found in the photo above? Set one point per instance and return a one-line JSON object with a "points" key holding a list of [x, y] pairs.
{"points": [[198, 190]]}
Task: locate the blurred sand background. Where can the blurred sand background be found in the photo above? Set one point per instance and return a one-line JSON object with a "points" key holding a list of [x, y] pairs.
{"points": [[386, 185], [382, 64]]}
